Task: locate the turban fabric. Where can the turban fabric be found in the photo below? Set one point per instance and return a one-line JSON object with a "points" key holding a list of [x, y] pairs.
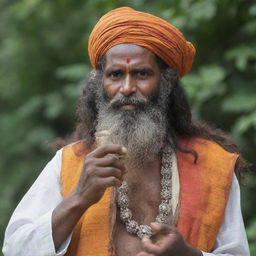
{"points": [[126, 25]]}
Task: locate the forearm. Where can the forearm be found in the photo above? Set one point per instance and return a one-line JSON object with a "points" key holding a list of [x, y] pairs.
{"points": [[64, 218]]}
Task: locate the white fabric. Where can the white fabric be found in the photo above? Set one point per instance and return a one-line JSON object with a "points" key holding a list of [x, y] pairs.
{"points": [[175, 185], [29, 231]]}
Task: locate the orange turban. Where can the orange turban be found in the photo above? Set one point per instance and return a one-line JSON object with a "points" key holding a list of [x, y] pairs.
{"points": [[125, 25]]}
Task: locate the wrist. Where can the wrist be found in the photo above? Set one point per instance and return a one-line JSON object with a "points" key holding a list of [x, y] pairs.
{"points": [[77, 202]]}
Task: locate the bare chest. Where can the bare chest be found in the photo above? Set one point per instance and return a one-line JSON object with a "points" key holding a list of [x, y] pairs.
{"points": [[144, 198]]}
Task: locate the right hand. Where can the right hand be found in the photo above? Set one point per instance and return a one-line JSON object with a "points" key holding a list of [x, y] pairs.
{"points": [[100, 170]]}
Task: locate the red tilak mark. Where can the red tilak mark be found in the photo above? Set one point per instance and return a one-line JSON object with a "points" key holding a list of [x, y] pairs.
{"points": [[127, 60]]}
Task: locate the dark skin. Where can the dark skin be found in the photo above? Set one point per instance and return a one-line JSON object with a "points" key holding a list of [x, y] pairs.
{"points": [[166, 241], [100, 171], [130, 69]]}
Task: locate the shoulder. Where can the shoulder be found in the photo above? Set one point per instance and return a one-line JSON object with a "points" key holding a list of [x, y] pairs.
{"points": [[205, 147], [73, 157], [210, 156], [77, 148]]}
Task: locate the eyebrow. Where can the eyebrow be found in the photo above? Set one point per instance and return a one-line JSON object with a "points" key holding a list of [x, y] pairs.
{"points": [[133, 70], [143, 69], [111, 70]]}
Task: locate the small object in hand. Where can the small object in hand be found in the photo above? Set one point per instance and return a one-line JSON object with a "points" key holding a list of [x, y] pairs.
{"points": [[104, 137]]}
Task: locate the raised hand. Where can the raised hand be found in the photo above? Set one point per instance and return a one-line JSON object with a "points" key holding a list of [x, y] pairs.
{"points": [[102, 169]]}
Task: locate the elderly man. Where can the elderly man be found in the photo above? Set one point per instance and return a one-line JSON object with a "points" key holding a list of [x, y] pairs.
{"points": [[140, 178]]}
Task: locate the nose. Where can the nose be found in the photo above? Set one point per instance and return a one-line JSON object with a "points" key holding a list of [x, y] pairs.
{"points": [[128, 86]]}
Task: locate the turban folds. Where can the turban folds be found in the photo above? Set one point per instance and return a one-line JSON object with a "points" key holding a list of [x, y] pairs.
{"points": [[126, 25]]}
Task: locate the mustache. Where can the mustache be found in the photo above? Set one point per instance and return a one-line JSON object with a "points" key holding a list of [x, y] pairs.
{"points": [[122, 100]]}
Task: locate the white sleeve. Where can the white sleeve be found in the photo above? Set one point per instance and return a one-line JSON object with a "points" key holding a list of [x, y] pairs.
{"points": [[231, 239], [29, 231]]}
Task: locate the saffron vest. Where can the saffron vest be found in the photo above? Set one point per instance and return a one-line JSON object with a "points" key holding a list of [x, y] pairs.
{"points": [[204, 191]]}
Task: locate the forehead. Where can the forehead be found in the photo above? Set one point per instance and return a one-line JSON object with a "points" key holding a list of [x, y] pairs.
{"points": [[118, 54]]}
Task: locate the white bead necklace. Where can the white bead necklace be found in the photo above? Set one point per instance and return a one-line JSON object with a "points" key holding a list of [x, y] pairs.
{"points": [[164, 209]]}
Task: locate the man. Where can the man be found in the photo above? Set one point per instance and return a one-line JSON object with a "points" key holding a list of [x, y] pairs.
{"points": [[159, 184]]}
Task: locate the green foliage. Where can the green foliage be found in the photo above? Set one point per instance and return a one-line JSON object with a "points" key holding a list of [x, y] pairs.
{"points": [[204, 84], [251, 237], [44, 61]]}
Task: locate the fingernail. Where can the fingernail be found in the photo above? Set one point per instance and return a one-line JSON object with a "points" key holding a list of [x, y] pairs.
{"points": [[145, 239], [124, 150], [156, 226]]}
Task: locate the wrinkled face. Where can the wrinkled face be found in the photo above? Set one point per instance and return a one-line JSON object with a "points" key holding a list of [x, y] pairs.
{"points": [[132, 102], [130, 70]]}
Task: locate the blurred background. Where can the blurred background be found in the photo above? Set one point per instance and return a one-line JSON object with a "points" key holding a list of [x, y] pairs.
{"points": [[44, 62]]}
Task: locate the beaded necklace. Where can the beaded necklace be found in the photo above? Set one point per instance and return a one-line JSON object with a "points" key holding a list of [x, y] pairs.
{"points": [[164, 209]]}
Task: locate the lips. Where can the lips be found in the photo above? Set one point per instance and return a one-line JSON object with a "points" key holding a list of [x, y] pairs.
{"points": [[128, 102], [128, 107]]}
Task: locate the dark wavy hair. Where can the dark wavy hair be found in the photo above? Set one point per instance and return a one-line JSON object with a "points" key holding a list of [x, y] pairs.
{"points": [[180, 122]]}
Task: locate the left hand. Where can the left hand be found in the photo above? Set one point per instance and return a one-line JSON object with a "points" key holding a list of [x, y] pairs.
{"points": [[167, 241]]}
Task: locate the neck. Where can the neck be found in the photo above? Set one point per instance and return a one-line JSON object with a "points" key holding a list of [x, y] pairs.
{"points": [[148, 171]]}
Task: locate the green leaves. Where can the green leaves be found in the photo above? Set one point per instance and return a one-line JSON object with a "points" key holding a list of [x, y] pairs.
{"points": [[244, 123], [239, 102], [251, 232], [204, 84], [241, 55], [72, 72]]}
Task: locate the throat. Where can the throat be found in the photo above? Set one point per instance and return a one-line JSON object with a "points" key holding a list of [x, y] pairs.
{"points": [[139, 166], [141, 179]]}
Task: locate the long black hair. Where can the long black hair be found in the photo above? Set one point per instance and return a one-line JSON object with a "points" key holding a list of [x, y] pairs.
{"points": [[180, 122]]}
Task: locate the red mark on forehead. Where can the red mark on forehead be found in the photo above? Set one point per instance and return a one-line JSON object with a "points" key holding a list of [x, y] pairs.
{"points": [[127, 60]]}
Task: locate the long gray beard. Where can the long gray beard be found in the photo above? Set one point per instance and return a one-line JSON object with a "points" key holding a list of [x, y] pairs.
{"points": [[141, 131]]}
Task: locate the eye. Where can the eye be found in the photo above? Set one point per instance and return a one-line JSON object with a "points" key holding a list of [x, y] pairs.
{"points": [[142, 74], [115, 74]]}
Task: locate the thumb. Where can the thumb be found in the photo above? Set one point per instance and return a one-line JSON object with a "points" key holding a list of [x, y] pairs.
{"points": [[160, 228]]}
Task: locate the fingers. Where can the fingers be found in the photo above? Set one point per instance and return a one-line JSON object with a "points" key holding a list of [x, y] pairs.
{"points": [[110, 160], [145, 254], [108, 149], [150, 247], [103, 183], [105, 156], [161, 228], [162, 241], [104, 167], [110, 171]]}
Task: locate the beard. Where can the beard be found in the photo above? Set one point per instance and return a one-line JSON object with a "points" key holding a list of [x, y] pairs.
{"points": [[141, 130]]}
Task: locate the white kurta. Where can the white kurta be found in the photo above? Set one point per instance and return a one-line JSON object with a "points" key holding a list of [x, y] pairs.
{"points": [[29, 232]]}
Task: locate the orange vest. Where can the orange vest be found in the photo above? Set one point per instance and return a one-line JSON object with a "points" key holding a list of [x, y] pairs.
{"points": [[204, 191]]}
